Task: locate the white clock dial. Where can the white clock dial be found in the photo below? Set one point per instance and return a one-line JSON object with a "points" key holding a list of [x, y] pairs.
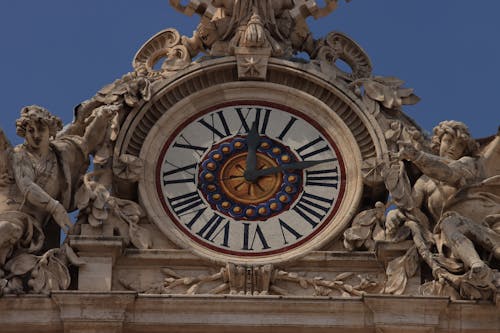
{"points": [[250, 179]]}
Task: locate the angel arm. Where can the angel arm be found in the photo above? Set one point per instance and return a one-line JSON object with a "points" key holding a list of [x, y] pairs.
{"points": [[95, 133], [454, 173]]}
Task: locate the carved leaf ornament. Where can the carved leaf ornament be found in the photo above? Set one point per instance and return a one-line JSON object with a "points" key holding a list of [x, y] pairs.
{"points": [[43, 273], [399, 270]]}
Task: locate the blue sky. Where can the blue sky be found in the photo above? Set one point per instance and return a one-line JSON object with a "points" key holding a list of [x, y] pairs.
{"points": [[57, 53]]}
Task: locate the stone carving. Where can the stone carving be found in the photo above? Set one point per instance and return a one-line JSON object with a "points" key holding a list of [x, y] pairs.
{"points": [[388, 91], [450, 211], [399, 270], [120, 96], [98, 207], [166, 44], [447, 199], [337, 46], [254, 281], [253, 31], [367, 227], [342, 285], [128, 167], [446, 195], [39, 179]]}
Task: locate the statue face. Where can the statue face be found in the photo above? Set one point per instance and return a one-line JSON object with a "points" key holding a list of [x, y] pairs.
{"points": [[451, 147], [37, 135]]}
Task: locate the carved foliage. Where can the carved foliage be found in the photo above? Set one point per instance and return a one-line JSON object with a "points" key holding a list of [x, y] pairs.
{"points": [[366, 228], [338, 47], [256, 280], [39, 274], [399, 270], [97, 207], [165, 44], [388, 91]]}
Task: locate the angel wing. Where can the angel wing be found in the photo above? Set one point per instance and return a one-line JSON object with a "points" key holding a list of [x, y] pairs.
{"points": [[4, 148], [491, 155]]}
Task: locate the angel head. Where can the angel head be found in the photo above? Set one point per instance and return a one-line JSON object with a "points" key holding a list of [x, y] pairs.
{"points": [[36, 125], [452, 139]]}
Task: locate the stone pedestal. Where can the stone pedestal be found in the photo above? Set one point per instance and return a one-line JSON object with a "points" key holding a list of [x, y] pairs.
{"points": [[100, 254]]}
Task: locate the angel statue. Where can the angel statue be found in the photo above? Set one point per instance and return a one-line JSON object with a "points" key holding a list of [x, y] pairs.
{"points": [[38, 179], [459, 195]]}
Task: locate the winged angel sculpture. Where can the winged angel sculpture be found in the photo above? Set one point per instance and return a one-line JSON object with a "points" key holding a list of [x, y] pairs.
{"points": [[451, 212], [460, 192], [38, 180]]}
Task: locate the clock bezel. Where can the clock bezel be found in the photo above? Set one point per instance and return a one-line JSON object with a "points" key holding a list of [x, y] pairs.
{"points": [[328, 219], [242, 93]]}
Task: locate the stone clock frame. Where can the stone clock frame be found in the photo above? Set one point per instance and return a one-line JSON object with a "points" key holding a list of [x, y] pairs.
{"points": [[215, 83], [270, 93]]}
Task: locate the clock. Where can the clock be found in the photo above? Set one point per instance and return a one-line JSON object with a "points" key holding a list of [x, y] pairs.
{"points": [[249, 181]]}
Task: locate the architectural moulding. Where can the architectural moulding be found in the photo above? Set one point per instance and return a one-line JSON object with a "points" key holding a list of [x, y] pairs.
{"points": [[234, 181]]}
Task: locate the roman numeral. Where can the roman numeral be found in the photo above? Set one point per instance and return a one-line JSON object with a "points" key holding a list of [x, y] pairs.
{"points": [[210, 231], [212, 127], [258, 116], [191, 147], [184, 143], [287, 128], [309, 150], [325, 178], [179, 170], [312, 208], [290, 230], [186, 203], [246, 237]]}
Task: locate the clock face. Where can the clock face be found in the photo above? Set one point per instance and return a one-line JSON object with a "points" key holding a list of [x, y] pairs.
{"points": [[250, 179]]}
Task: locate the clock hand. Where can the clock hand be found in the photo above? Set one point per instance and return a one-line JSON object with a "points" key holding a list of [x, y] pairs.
{"points": [[252, 144], [291, 166]]}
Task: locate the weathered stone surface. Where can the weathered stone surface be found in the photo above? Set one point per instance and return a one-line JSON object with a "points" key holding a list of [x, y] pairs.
{"points": [[377, 227]]}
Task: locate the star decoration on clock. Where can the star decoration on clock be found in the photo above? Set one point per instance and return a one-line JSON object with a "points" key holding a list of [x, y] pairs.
{"points": [[252, 66]]}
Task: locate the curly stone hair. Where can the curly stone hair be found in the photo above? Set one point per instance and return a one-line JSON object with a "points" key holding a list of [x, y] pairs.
{"points": [[37, 114], [458, 130]]}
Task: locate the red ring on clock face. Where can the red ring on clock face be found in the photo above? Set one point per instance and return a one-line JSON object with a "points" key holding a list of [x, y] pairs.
{"points": [[291, 207]]}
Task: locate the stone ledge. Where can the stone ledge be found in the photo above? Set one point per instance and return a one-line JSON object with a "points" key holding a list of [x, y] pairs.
{"points": [[326, 260], [75, 311]]}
